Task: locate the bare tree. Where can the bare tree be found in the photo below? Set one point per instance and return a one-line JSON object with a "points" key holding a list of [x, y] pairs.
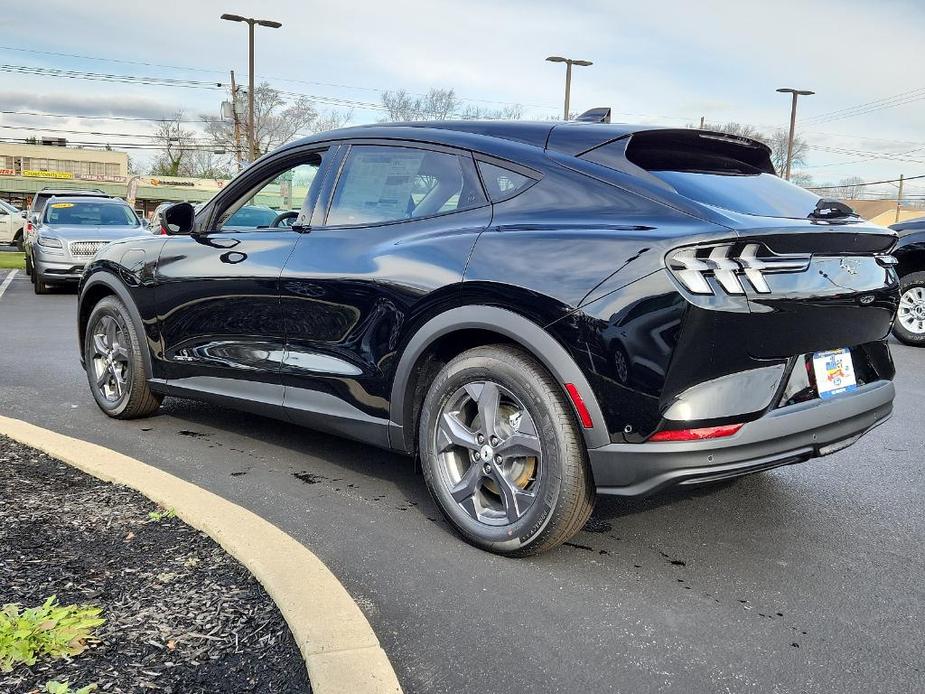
{"points": [[175, 144], [802, 179], [849, 188], [277, 121], [436, 104], [776, 140], [511, 112]]}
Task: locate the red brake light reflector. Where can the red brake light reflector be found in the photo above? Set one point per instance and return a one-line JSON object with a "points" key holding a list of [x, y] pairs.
{"points": [[696, 434], [580, 406]]}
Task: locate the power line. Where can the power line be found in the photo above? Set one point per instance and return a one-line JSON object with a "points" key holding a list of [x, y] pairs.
{"points": [[276, 79], [90, 117], [870, 183]]}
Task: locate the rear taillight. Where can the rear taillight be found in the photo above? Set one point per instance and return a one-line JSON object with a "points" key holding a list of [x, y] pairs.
{"points": [[696, 434], [730, 266], [28, 227]]}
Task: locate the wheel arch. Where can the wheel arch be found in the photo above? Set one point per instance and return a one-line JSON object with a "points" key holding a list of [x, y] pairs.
{"points": [[98, 286], [461, 328]]}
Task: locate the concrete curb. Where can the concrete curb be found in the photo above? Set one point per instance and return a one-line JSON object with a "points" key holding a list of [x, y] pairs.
{"points": [[341, 652]]}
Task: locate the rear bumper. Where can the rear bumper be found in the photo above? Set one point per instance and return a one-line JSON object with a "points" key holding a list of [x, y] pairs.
{"points": [[782, 437]]}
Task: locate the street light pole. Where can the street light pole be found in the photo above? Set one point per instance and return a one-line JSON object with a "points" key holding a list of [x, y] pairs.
{"points": [[795, 93], [568, 76], [251, 22]]}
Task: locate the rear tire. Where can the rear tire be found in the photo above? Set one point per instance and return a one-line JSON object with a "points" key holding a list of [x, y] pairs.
{"points": [[516, 482], [114, 363], [28, 266], [906, 327]]}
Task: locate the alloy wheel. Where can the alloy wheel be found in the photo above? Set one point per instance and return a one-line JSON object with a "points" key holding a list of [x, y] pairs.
{"points": [[111, 359], [489, 453], [911, 314]]}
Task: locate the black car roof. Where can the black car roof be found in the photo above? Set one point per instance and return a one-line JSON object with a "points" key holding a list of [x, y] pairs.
{"points": [[569, 137]]}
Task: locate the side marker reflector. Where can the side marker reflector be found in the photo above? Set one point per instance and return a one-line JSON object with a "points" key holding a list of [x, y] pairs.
{"points": [[579, 404], [696, 434]]}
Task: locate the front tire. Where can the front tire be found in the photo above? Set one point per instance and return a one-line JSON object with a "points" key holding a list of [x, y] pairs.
{"points": [[909, 326], [502, 453], [114, 364], [39, 286]]}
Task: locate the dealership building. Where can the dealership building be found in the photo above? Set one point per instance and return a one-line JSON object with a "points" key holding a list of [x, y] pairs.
{"points": [[27, 168]]}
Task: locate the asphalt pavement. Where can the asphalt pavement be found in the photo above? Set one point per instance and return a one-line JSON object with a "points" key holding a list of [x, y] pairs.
{"points": [[808, 578]]}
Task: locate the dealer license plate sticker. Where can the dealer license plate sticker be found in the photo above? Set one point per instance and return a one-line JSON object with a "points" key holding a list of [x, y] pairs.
{"points": [[834, 372]]}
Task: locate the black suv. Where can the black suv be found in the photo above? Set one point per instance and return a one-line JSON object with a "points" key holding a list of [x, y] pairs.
{"points": [[910, 252], [538, 311]]}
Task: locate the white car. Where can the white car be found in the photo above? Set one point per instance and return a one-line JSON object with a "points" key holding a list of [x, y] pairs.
{"points": [[11, 223]]}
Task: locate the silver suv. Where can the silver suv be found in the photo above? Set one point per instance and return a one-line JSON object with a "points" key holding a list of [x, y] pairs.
{"points": [[69, 232]]}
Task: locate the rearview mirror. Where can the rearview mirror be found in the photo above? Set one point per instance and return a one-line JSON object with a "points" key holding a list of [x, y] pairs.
{"points": [[178, 219]]}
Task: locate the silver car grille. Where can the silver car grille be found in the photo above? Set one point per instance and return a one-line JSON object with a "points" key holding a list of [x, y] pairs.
{"points": [[85, 248]]}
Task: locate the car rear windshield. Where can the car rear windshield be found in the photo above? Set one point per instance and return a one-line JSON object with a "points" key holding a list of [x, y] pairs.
{"points": [[89, 214], [722, 171]]}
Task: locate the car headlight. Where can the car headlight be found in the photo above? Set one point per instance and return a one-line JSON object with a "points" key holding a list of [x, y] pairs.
{"points": [[49, 241]]}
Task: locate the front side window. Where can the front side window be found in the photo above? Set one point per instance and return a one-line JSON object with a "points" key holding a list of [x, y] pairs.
{"points": [[267, 201], [89, 214], [382, 184]]}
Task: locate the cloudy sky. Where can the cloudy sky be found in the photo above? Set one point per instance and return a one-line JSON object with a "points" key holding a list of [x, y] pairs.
{"points": [[667, 62]]}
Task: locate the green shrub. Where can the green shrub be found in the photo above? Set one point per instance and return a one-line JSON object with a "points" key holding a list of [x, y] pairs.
{"points": [[52, 630]]}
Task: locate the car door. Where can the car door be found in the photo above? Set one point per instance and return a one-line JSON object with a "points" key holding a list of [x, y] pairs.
{"points": [[391, 233], [217, 291], [7, 217]]}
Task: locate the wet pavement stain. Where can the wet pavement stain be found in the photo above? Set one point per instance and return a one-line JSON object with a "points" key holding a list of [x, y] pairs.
{"points": [[308, 477]]}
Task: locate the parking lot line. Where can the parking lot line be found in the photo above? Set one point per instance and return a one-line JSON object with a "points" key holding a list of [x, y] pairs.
{"points": [[7, 282]]}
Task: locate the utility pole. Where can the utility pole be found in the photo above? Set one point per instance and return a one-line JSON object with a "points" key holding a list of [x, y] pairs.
{"points": [[237, 122], [568, 76], [793, 122], [899, 199], [251, 22]]}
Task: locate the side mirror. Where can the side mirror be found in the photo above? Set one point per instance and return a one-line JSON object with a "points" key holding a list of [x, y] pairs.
{"points": [[24, 214], [178, 219]]}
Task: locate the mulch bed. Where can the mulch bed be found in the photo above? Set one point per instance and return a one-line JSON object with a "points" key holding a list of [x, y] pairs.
{"points": [[181, 615]]}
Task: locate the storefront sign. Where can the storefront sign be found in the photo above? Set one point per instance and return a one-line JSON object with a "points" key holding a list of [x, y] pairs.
{"points": [[7, 172], [101, 179], [47, 174], [159, 182]]}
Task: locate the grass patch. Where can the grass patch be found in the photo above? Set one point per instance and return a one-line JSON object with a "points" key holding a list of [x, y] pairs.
{"points": [[52, 630], [12, 261]]}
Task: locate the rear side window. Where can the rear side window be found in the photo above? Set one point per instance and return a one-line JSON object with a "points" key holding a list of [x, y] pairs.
{"points": [[381, 184], [722, 171], [501, 183]]}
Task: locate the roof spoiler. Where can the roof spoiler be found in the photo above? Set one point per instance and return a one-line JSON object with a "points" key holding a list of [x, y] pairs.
{"points": [[595, 115]]}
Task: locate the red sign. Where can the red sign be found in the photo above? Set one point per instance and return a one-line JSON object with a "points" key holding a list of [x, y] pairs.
{"points": [[7, 172]]}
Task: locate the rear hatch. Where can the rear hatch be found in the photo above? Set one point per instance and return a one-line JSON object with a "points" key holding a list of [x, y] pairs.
{"points": [[813, 275]]}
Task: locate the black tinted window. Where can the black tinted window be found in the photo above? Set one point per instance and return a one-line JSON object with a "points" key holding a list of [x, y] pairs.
{"points": [[761, 194], [501, 183], [386, 184]]}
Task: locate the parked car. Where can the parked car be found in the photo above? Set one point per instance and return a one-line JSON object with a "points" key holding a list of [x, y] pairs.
{"points": [[11, 224], [70, 230], [909, 327], [37, 206], [455, 291]]}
